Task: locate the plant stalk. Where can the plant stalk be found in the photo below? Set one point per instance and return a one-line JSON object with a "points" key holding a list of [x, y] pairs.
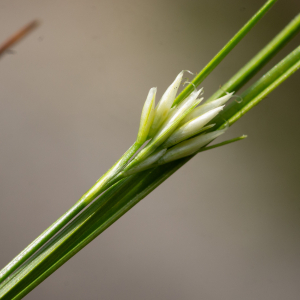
{"points": [[224, 51], [101, 185], [260, 59]]}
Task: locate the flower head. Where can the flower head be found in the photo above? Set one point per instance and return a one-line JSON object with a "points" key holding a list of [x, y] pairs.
{"points": [[179, 125]]}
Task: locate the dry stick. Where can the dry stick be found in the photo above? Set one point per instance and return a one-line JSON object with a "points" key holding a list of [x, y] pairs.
{"points": [[18, 36]]}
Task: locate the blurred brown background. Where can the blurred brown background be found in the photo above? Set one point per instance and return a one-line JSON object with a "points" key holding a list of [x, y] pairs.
{"points": [[226, 226]]}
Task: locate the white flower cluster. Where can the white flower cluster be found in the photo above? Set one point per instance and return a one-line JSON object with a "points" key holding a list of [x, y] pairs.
{"points": [[174, 131]]}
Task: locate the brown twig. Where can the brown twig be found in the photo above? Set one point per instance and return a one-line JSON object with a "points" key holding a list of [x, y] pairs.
{"points": [[17, 36]]}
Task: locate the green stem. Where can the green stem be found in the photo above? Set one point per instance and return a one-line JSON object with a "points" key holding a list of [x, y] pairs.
{"points": [[233, 110], [224, 51], [259, 60], [86, 199], [30, 268], [264, 93], [115, 198]]}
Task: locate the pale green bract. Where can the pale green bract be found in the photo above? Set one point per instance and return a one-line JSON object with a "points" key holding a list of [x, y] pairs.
{"points": [[189, 147], [163, 106], [146, 164], [200, 110], [191, 128], [146, 117]]}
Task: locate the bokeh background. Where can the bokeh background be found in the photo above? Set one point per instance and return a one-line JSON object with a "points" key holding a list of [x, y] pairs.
{"points": [[225, 226]]}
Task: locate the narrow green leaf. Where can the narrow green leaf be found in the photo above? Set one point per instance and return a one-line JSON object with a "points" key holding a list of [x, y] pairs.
{"points": [[234, 110], [223, 143], [89, 196], [259, 60], [250, 104], [224, 51]]}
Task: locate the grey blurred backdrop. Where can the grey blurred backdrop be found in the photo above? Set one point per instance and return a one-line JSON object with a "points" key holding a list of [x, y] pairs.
{"points": [[225, 226]]}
